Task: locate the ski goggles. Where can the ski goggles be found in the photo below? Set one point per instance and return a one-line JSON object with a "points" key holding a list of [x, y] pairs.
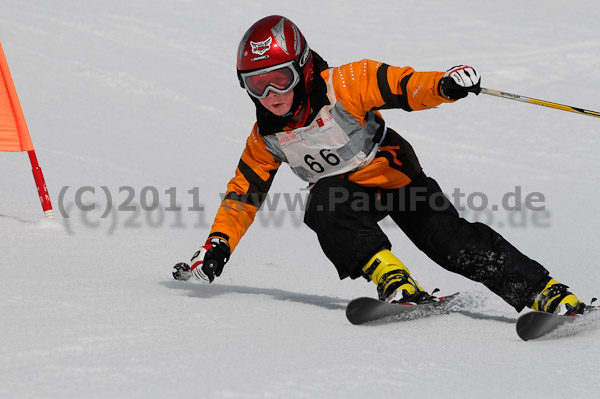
{"points": [[278, 78]]}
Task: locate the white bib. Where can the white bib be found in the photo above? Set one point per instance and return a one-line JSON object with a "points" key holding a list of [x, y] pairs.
{"points": [[333, 144]]}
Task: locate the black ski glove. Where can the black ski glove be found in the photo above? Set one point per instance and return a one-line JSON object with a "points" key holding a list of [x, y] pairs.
{"points": [[459, 81], [209, 261]]}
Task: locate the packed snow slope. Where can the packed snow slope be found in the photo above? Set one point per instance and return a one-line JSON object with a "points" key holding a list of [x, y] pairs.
{"points": [[135, 104]]}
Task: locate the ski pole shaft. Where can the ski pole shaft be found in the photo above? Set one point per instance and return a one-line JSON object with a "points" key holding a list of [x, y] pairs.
{"points": [[543, 103]]}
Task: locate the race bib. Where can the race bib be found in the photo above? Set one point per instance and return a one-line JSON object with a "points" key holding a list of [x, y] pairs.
{"points": [[321, 149]]}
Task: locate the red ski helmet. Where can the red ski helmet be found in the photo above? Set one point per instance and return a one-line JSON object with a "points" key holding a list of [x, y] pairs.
{"points": [[273, 55]]}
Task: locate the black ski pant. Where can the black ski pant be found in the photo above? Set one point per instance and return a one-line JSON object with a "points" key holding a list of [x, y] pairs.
{"points": [[345, 217]]}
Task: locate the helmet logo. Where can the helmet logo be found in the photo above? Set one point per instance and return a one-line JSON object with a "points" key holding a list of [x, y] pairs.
{"points": [[297, 42], [305, 56], [279, 35], [261, 47]]}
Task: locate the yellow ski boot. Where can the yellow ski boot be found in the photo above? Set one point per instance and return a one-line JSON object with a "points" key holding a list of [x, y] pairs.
{"points": [[557, 299], [394, 283]]}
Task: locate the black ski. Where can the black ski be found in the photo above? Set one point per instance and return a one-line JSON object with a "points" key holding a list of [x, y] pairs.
{"points": [[537, 324], [363, 310]]}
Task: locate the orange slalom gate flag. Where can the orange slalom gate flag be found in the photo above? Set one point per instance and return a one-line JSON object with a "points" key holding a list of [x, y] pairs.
{"points": [[14, 135]]}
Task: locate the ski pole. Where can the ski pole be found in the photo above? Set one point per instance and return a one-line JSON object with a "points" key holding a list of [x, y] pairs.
{"points": [[543, 103]]}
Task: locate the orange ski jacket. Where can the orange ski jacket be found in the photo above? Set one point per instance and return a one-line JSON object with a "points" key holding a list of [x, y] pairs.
{"points": [[346, 137]]}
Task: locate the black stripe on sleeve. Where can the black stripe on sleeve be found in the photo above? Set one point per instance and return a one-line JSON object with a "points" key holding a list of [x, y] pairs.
{"points": [[392, 100], [257, 191]]}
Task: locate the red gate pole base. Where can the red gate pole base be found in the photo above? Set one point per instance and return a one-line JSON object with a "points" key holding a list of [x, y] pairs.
{"points": [[40, 183]]}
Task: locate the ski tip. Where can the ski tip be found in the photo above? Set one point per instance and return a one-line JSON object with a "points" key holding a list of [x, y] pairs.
{"points": [[536, 324]]}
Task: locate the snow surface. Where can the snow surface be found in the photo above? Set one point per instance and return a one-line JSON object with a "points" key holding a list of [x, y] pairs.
{"points": [[141, 94]]}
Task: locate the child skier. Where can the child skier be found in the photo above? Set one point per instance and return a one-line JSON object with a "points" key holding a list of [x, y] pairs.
{"points": [[324, 122]]}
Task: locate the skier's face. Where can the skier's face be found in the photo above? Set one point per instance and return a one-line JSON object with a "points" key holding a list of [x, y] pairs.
{"points": [[279, 104]]}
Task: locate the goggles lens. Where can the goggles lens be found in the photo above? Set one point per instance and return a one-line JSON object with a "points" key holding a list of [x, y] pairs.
{"points": [[280, 80]]}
